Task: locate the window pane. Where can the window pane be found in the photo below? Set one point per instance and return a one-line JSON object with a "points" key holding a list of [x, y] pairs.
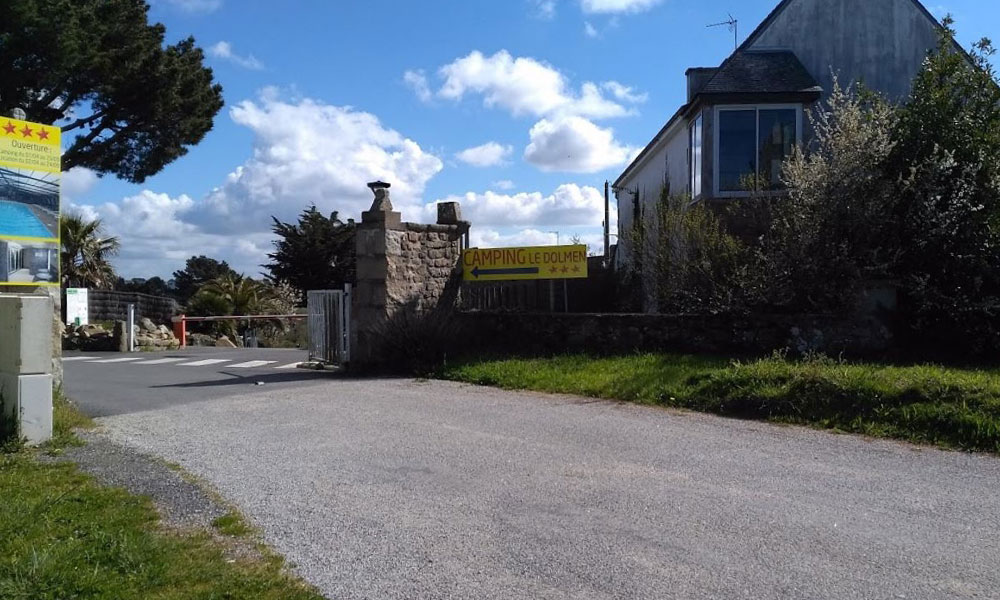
{"points": [[696, 157], [737, 150], [777, 139]]}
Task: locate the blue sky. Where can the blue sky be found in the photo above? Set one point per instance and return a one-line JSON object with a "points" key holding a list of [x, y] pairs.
{"points": [[520, 109]]}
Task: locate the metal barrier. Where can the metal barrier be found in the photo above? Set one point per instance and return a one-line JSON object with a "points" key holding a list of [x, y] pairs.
{"points": [[329, 325], [180, 323]]}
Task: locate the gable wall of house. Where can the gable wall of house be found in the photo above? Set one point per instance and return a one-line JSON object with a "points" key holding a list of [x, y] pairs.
{"points": [[880, 42], [669, 164]]}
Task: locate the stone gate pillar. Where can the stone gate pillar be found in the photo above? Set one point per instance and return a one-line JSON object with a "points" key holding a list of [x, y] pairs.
{"points": [[402, 267]]}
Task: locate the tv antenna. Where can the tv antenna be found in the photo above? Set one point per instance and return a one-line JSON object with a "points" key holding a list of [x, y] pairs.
{"points": [[734, 26]]}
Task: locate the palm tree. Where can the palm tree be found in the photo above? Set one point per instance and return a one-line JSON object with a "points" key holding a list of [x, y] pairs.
{"points": [[239, 294], [86, 253], [232, 294]]}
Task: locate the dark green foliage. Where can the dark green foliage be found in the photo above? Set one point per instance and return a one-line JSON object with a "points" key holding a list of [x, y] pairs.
{"points": [[414, 342], [957, 408], [154, 286], [947, 163], [198, 271], [86, 252], [102, 72], [317, 253]]}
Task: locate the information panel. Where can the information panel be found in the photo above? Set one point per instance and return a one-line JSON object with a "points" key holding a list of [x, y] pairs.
{"points": [[30, 172], [519, 264]]}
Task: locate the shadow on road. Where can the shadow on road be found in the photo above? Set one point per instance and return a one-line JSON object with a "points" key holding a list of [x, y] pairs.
{"points": [[255, 378]]}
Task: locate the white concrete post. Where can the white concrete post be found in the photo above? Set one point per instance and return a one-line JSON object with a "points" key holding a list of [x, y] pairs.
{"points": [[26, 365], [131, 328]]}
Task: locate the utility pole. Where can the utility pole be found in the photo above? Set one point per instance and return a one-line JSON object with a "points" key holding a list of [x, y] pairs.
{"points": [[607, 223]]}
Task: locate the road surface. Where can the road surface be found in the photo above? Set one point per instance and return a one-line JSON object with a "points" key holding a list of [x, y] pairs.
{"points": [[417, 489]]}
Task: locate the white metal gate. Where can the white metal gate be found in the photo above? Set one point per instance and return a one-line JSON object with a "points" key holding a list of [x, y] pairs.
{"points": [[330, 325]]}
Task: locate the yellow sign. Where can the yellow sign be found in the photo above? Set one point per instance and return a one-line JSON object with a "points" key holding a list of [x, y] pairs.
{"points": [[30, 146], [520, 264], [30, 174]]}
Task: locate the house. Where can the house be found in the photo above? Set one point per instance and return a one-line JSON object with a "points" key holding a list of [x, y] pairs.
{"points": [[745, 116]]}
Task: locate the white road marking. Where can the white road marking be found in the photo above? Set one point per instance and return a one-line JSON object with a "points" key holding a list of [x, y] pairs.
{"points": [[253, 364], [117, 360], [72, 358], [160, 361], [205, 363], [291, 366]]}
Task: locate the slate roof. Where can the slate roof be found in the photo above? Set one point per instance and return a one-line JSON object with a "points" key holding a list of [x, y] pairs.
{"points": [[750, 72]]}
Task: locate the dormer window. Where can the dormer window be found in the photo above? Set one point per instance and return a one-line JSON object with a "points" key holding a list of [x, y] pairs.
{"points": [[751, 143]]}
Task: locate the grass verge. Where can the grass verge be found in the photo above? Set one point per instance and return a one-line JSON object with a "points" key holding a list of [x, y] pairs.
{"points": [[64, 536], [949, 407]]}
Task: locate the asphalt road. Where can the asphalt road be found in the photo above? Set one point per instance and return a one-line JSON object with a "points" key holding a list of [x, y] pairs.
{"points": [[105, 388], [404, 489]]}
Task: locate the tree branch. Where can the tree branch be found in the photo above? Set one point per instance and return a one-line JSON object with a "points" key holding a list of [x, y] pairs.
{"points": [[85, 121], [72, 156]]}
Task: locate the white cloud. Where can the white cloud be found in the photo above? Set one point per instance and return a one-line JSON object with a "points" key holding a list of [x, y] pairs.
{"points": [[417, 81], [545, 9], [194, 6], [624, 93], [156, 237], [575, 145], [569, 205], [616, 6], [524, 86], [77, 182], [504, 184], [224, 50], [490, 154], [590, 31], [491, 238], [306, 152]]}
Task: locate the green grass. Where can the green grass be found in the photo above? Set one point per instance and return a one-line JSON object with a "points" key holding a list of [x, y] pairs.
{"points": [[233, 525], [64, 536], [949, 407], [66, 418]]}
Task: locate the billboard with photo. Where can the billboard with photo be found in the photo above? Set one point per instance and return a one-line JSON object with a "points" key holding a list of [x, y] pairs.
{"points": [[30, 172]]}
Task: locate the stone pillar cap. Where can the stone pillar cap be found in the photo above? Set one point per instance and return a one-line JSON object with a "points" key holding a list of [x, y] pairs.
{"points": [[381, 191]]}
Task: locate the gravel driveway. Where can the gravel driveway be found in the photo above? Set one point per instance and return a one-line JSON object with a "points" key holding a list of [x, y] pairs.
{"points": [[403, 489]]}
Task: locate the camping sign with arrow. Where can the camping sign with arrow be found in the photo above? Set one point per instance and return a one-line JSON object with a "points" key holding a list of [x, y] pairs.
{"points": [[519, 264]]}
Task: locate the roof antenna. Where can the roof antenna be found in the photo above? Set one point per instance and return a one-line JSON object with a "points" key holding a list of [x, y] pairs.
{"points": [[734, 26]]}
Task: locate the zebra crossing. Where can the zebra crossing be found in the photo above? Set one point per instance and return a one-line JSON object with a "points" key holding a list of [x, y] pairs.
{"points": [[184, 362]]}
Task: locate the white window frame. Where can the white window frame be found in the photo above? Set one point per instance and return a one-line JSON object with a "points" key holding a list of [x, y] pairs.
{"points": [[696, 135], [717, 132]]}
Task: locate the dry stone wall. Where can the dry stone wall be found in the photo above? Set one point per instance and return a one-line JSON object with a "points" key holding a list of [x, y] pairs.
{"points": [[423, 265]]}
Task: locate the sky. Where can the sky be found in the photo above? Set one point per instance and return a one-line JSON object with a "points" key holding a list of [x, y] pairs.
{"points": [[518, 109]]}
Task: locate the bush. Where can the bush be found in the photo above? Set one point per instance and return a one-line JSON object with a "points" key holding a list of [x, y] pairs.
{"points": [[416, 342], [835, 228], [696, 265]]}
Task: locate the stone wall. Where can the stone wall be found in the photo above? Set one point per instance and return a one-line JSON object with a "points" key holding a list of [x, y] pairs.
{"points": [[537, 333], [423, 265], [105, 305], [402, 269]]}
